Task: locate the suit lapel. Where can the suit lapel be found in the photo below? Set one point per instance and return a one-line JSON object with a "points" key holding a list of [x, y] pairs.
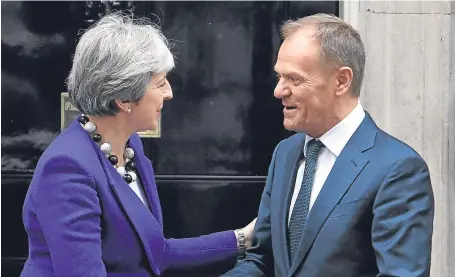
{"points": [[347, 167], [291, 158], [344, 172], [134, 209]]}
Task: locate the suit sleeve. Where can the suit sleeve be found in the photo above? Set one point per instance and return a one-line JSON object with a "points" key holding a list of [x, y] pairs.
{"points": [[68, 210], [403, 221], [259, 258]]}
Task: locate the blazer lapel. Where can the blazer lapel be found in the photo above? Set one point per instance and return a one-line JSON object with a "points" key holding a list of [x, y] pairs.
{"points": [[347, 167], [132, 206], [291, 158], [145, 170]]}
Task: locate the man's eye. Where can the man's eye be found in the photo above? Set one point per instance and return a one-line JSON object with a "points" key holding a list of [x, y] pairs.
{"points": [[295, 81]]}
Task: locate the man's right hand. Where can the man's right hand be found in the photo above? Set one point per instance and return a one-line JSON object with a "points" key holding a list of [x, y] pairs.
{"points": [[249, 231]]}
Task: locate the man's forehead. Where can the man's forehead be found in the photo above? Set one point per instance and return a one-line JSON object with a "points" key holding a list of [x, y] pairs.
{"points": [[287, 67], [300, 41], [293, 62], [297, 55]]}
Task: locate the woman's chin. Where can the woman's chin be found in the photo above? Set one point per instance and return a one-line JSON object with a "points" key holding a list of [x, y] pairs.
{"points": [[153, 127], [149, 127]]}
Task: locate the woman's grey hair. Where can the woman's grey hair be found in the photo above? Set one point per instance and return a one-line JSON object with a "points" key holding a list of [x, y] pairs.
{"points": [[115, 60], [340, 43]]}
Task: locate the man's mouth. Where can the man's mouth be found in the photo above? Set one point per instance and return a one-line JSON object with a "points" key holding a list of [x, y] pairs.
{"points": [[289, 108]]}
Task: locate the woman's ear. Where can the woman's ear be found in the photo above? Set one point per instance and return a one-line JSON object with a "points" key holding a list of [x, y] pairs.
{"points": [[124, 106]]}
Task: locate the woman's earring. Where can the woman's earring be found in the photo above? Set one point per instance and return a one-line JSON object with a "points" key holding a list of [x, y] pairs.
{"points": [[129, 110]]}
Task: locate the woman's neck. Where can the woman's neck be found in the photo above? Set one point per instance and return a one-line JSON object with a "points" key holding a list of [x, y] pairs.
{"points": [[114, 131]]}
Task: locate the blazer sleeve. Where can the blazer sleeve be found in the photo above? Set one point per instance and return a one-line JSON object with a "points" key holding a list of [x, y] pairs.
{"points": [[259, 258], [198, 251], [403, 214], [68, 211]]}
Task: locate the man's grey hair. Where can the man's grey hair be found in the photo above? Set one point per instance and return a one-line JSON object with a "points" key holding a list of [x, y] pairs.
{"points": [[115, 60], [340, 43]]}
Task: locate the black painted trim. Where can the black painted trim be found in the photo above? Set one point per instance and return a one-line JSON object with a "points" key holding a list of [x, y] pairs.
{"points": [[10, 177], [14, 259], [210, 178]]}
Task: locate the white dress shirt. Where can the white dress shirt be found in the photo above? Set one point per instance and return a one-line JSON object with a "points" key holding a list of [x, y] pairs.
{"points": [[138, 188], [334, 141]]}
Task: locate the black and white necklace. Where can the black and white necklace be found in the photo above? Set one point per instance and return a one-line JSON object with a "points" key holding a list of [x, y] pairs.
{"points": [[128, 172]]}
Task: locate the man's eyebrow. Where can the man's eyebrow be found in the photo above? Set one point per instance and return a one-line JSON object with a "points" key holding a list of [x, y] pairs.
{"points": [[291, 74], [294, 75]]}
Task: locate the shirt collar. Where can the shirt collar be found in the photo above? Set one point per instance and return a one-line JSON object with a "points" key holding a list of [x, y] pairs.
{"points": [[336, 138]]}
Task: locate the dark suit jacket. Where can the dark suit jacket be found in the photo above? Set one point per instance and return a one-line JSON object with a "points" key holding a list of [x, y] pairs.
{"points": [[373, 216], [83, 220]]}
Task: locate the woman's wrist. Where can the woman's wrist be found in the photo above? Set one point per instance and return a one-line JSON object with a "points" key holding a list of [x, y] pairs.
{"points": [[241, 244]]}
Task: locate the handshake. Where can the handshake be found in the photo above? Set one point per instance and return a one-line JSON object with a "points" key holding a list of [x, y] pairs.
{"points": [[244, 237]]}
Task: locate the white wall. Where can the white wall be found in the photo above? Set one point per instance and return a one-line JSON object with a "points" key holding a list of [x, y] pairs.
{"points": [[409, 89]]}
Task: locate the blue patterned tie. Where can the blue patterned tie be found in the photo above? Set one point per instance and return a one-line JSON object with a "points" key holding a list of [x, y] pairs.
{"points": [[302, 204]]}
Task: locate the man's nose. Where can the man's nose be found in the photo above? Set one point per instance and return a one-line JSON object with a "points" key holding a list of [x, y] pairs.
{"points": [[280, 91]]}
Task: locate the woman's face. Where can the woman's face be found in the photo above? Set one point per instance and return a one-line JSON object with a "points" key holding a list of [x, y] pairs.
{"points": [[147, 111]]}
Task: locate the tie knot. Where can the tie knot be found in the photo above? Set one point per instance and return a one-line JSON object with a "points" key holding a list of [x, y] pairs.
{"points": [[313, 148]]}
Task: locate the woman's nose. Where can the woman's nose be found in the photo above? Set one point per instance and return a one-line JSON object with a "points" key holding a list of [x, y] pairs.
{"points": [[167, 95]]}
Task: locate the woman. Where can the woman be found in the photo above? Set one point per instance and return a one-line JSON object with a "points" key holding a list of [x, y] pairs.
{"points": [[92, 208]]}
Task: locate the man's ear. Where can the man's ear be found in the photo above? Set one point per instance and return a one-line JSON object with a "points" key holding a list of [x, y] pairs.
{"points": [[343, 80]]}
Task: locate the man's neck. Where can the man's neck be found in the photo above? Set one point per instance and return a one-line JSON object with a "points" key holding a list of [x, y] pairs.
{"points": [[340, 112]]}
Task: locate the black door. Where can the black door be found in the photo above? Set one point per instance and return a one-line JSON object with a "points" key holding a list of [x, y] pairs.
{"points": [[217, 134]]}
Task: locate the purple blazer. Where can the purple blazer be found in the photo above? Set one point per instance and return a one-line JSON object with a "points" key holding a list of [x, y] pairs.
{"points": [[83, 219]]}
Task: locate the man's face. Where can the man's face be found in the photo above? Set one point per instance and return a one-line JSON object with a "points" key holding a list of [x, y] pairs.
{"points": [[305, 85]]}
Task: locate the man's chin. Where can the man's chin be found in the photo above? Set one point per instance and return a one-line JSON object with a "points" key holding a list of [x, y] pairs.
{"points": [[288, 125], [293, 127]]}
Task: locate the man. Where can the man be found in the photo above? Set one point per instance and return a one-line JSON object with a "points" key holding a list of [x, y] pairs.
{"points": [[342, 197]]}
